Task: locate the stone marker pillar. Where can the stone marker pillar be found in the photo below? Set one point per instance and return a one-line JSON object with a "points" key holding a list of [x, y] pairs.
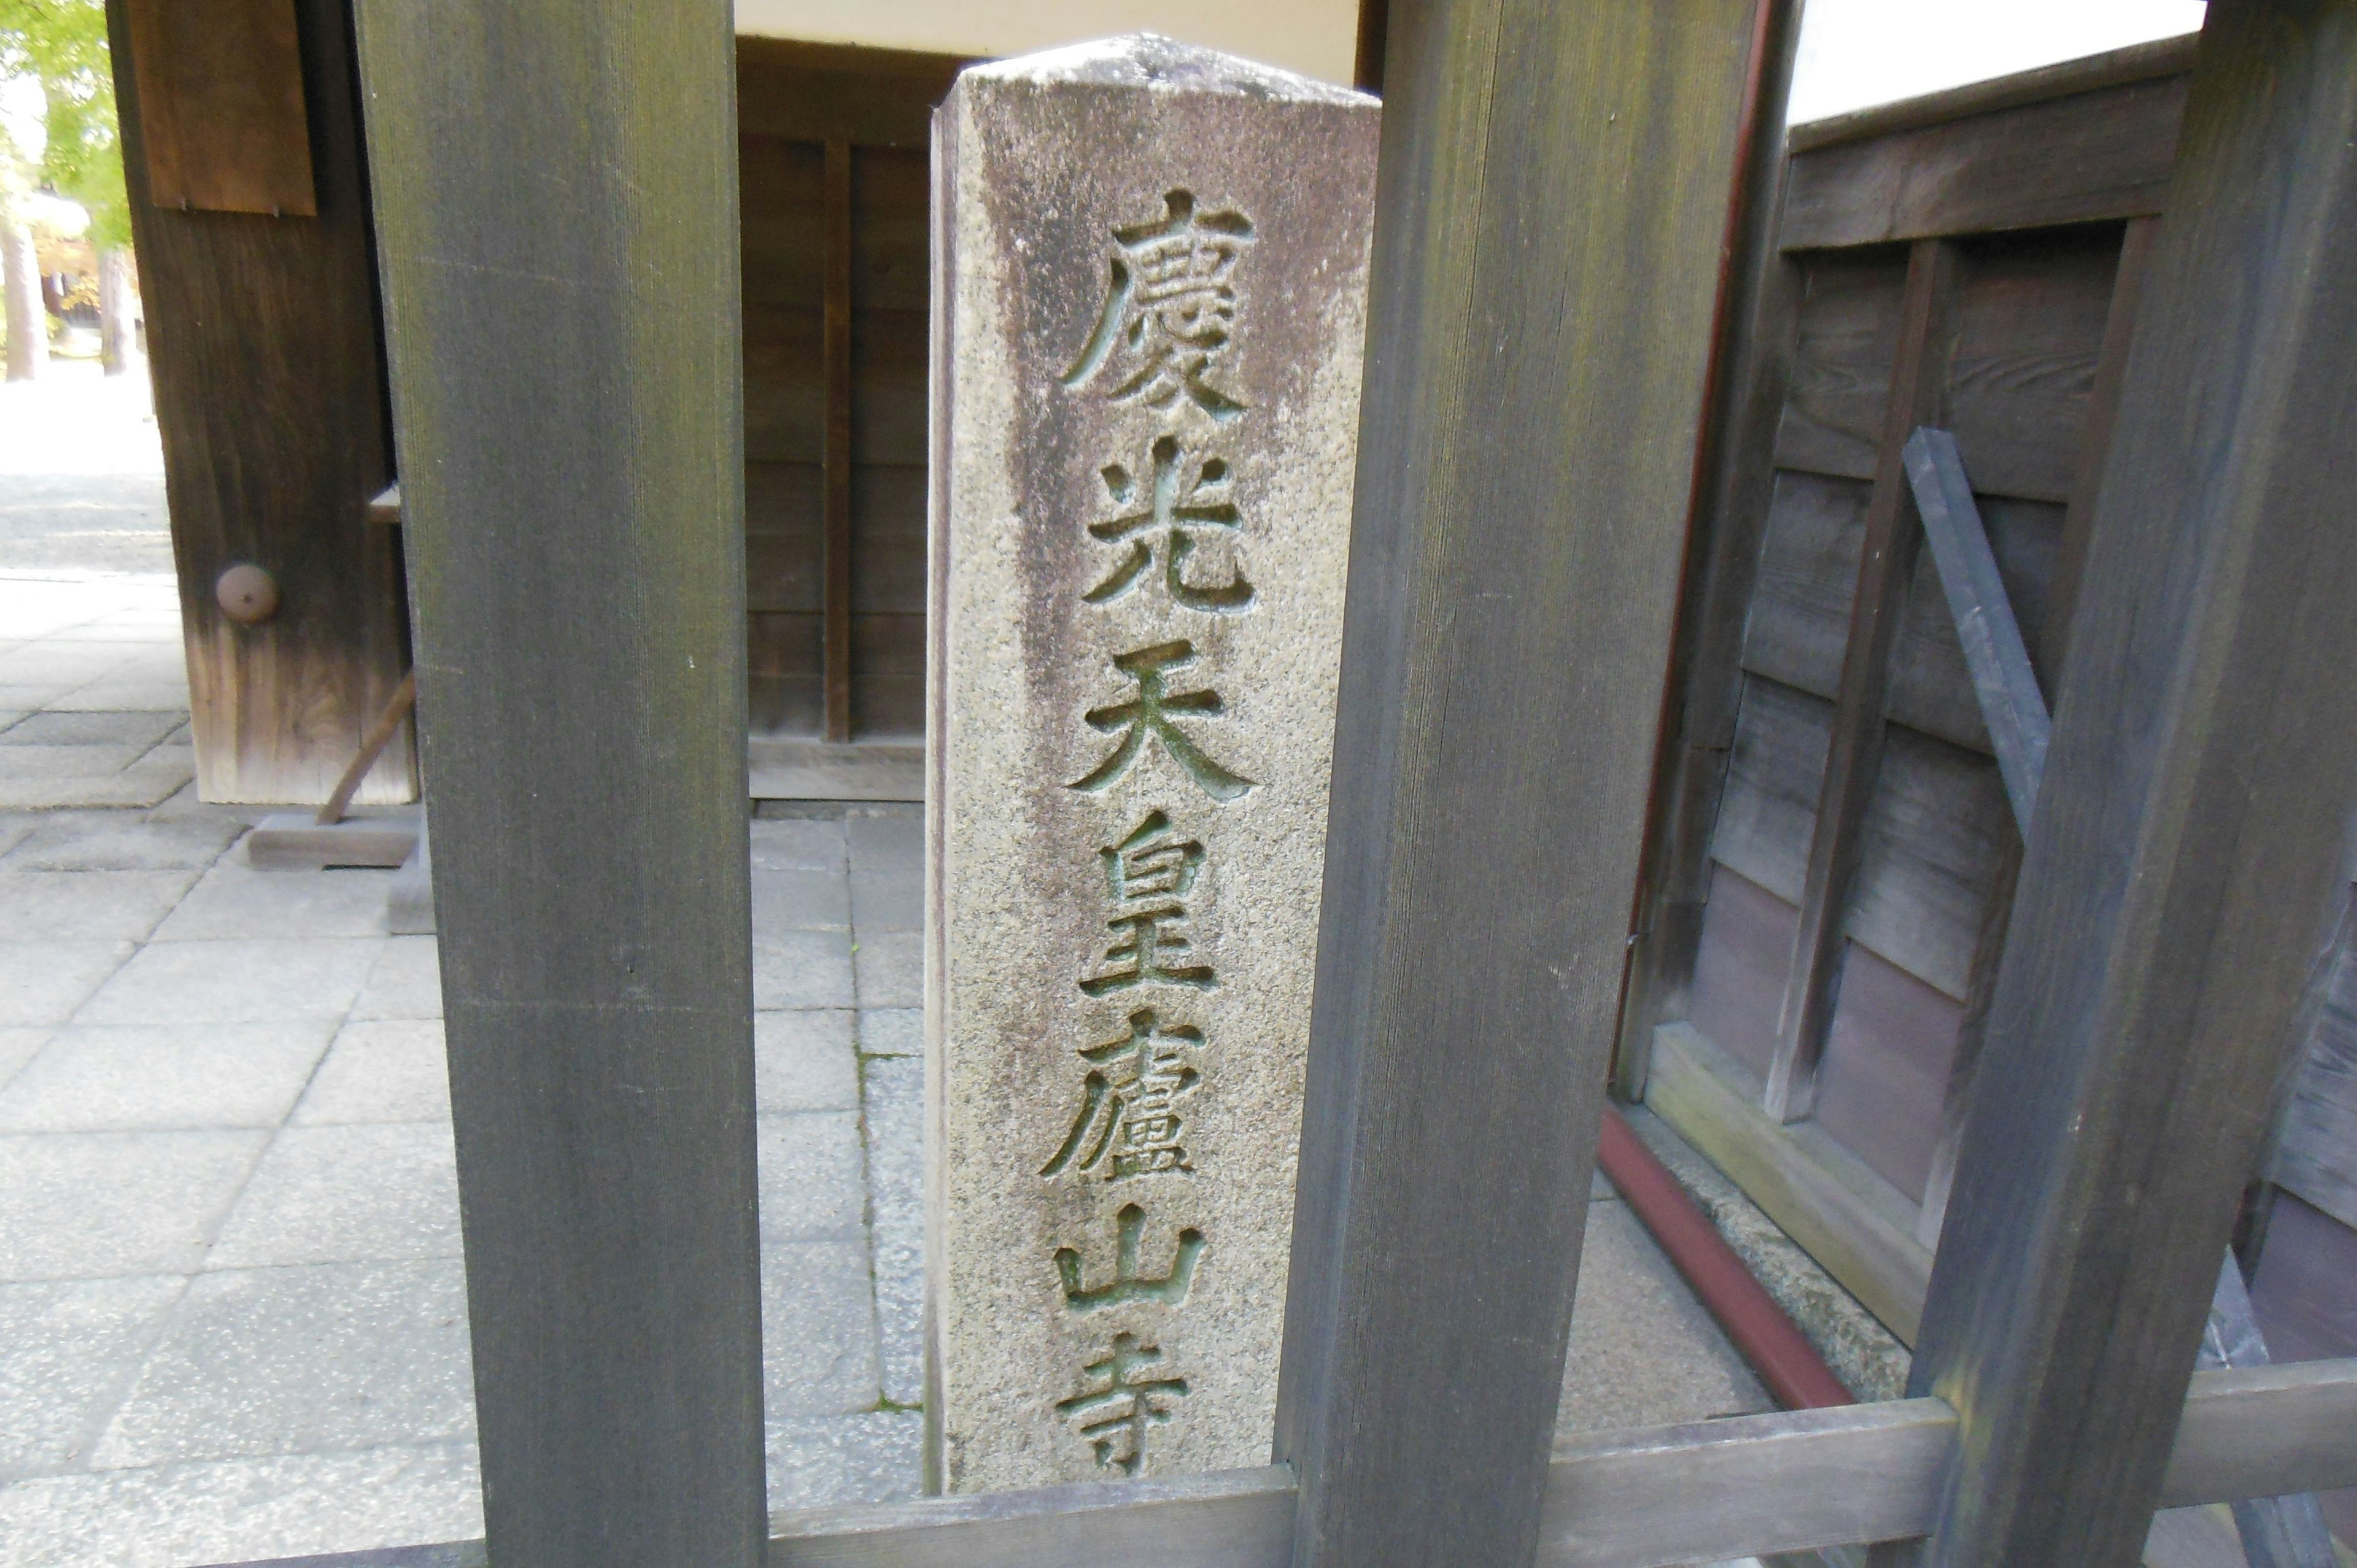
{"points": [[1149, 283]]}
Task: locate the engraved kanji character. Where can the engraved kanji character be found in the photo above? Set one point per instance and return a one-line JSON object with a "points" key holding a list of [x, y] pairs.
{"points": [[1148, 713], [1146, 949], [1128, 1125], [1174, 505], [1130, 1404], [1128, 1285], [1153, 862], [1169, 303]]}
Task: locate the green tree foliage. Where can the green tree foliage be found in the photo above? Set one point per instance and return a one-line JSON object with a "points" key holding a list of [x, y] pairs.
{"points": [[62, 44]]}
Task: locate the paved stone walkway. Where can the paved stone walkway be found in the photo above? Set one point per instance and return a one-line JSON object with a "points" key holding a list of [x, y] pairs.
{"points": [[232, 1309]]}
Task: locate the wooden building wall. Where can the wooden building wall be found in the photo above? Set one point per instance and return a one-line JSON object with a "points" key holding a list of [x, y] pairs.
{"points": [[833, 150], [270, 393], [1970, 260]]}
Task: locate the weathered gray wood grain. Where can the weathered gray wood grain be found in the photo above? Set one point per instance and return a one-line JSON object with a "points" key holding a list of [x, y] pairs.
{"points": [[2080, 158], [2278, 1531], [2187, 852], [1550, 208], [1918, 394], [2318, 1155], [1758, 290], [2012, 706], [555, 185]]}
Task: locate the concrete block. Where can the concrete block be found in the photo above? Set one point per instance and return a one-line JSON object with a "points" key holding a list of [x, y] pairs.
{"points": [[802, 969], [346, 1194], [93, 1205], [233, 901], [405, 981], [45, 905], [779, 768], [802, 1061], [301, 1361], [388, 1071], [812, 1185], [69, 1349], [818, 1329], [44, 982], [128, 1078], [236, 982]]}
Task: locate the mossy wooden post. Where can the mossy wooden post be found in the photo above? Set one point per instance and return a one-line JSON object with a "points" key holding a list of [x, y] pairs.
{"points": [[556, 189]]}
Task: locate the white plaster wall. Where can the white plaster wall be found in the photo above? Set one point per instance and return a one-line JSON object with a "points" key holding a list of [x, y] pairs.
{"points": [[1316, 37]]}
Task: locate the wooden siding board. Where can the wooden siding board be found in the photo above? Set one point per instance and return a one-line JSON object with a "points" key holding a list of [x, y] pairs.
{"points": [[1888, 1056], [1739, 965], [2317, 1154], [2082, 158], [272, 404]]}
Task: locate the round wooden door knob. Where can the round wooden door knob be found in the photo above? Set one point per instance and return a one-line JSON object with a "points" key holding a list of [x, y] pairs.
{"points": [[247, 594]]}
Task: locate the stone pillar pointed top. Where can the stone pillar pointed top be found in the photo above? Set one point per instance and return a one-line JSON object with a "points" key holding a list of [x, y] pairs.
{"points": [[1150, 294], [1163, 64]]}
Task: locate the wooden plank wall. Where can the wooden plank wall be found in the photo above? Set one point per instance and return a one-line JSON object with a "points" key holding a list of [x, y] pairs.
{"points": [[1847, 942], [271, 397], [834, 378]]}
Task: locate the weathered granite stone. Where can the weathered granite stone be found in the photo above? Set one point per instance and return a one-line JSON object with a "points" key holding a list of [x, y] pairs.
{"points": [[1150, 274]]}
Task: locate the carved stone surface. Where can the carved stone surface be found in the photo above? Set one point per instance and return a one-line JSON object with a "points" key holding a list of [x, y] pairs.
{"points": [[1150, 284]]}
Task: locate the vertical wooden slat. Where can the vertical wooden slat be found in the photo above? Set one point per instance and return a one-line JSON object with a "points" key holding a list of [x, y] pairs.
{"points": [[837, 598], [1550, 206], [556, 198], [2192, 836], [2054, 643], [1918, 388], [1734, 458]]}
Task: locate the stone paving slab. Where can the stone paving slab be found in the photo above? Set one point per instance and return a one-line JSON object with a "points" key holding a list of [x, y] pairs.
{"points": [[17, 1046], [404, 983], [800, 900], [234, 981], [244, 1509], [45, 981], [891, 968], [860, 1458], [93, 1204], [382, 1192], [236, 901], [124, 1077], [390, 1069], [115, 840], [802, 969], [802, 1061], [812, 1183], [895, 1144], [818, 1329], [292, 1360], [38, 906], [798, 844], [66, 779], [140, 729], [69, 1348], [892, 1032]]}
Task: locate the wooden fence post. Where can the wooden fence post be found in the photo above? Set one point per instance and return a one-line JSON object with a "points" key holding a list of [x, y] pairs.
{"points": [[1551, 203], [2192, 834], [556, 205]]}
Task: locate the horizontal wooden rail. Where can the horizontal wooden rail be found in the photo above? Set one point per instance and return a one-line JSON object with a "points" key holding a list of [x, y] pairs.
{"points": [[1644, 1499]]}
